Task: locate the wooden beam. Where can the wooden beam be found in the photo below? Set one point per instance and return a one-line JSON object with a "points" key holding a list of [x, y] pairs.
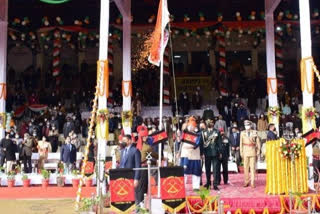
{"points": [[271, 5], [124, 7]]}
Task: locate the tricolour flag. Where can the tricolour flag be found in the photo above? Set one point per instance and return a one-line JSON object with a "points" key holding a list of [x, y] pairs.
{"points": [[157, 49]]}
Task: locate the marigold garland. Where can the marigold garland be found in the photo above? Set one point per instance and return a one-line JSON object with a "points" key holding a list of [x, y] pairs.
{"points": [[103, 71], [3, 94], [129, 91], [269, 86]]}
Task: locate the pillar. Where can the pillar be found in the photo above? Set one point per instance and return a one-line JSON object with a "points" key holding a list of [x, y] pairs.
{"points": [[126, 66], [102, 99], [307, 75], [272, 86], [3, 62]]}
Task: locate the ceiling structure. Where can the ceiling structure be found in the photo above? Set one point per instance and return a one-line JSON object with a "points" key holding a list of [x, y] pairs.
{"points": [[143, 9]]}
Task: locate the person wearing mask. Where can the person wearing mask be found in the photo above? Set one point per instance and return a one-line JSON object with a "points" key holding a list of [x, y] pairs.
{"points": [[10, 152], [130, 157], [46, 129], [272, 134], [54, 138], [190, 157], [44, 147], [68, 155], [225, 153], [234, 137], [27, 153], [262, 123], [211, 149], [18, 142], [242, 114], [249, 151], [220, 124], [68, 127]]}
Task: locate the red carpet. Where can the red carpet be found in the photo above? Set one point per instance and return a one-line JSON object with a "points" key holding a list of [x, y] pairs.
{"points": [[238, 198], [37, 192]]}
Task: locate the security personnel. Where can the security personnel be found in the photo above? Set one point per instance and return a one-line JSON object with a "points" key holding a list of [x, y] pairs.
{"points": [[225, 153], [211, 150], [249, 151]]}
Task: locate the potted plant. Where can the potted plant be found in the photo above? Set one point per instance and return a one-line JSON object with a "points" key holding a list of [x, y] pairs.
{"points": [[45, 175], [206, 200], [25, 180], [11, 175], [241, 169], [89, 205], [88, 181], [298, 208], [75, 178], [60, 177]]}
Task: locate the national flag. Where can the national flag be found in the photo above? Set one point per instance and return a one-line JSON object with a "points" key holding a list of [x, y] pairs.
{"points": [[38, 107], [223, 92], [222, 52], [222, 61], [166, 100], [159, 34], [279, 64], [279, 53]]}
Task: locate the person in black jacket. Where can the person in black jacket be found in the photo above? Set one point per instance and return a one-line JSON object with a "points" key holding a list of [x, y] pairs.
{"points": [[10, 152], [225, 153], [211, 150], [234, 138]]}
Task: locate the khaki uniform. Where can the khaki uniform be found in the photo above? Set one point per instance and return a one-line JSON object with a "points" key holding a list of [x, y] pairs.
{"points": [[249, 150]]}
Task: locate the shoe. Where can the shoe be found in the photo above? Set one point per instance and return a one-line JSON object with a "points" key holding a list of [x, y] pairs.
{"points": [[253, 185], [216, 188], [245, 185], [207, 186], [195, 190], [226, 183]]}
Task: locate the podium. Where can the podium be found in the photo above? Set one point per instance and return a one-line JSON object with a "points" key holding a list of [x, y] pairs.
{"points": [[283, 174]]}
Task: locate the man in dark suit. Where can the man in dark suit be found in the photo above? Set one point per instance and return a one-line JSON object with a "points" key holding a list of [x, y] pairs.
{"points": [[234, 138], [68, 155], [10, 152], [131, 158], [271, 135]]}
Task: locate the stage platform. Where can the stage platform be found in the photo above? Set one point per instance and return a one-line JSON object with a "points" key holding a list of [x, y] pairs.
{"points": [[239, 199]]}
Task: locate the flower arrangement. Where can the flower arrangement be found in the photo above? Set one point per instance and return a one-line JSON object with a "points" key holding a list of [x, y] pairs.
{"points": [[126, 117], [309, 113], [102, 115], [273, 111], [290, 150], [60, 168]]}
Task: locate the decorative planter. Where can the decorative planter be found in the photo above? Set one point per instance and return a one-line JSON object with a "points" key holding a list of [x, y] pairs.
{"points": [[60, 181], [45, 183], [26, 183], [88, 182], [75, 182], [241, 169], [11, 183]]}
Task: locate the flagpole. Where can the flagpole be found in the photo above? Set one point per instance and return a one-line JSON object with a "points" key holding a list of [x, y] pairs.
{"points": [[161, 91]]}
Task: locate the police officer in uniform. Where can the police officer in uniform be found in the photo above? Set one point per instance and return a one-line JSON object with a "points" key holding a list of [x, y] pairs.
{"points": [[211, 150], [249, 151]]}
